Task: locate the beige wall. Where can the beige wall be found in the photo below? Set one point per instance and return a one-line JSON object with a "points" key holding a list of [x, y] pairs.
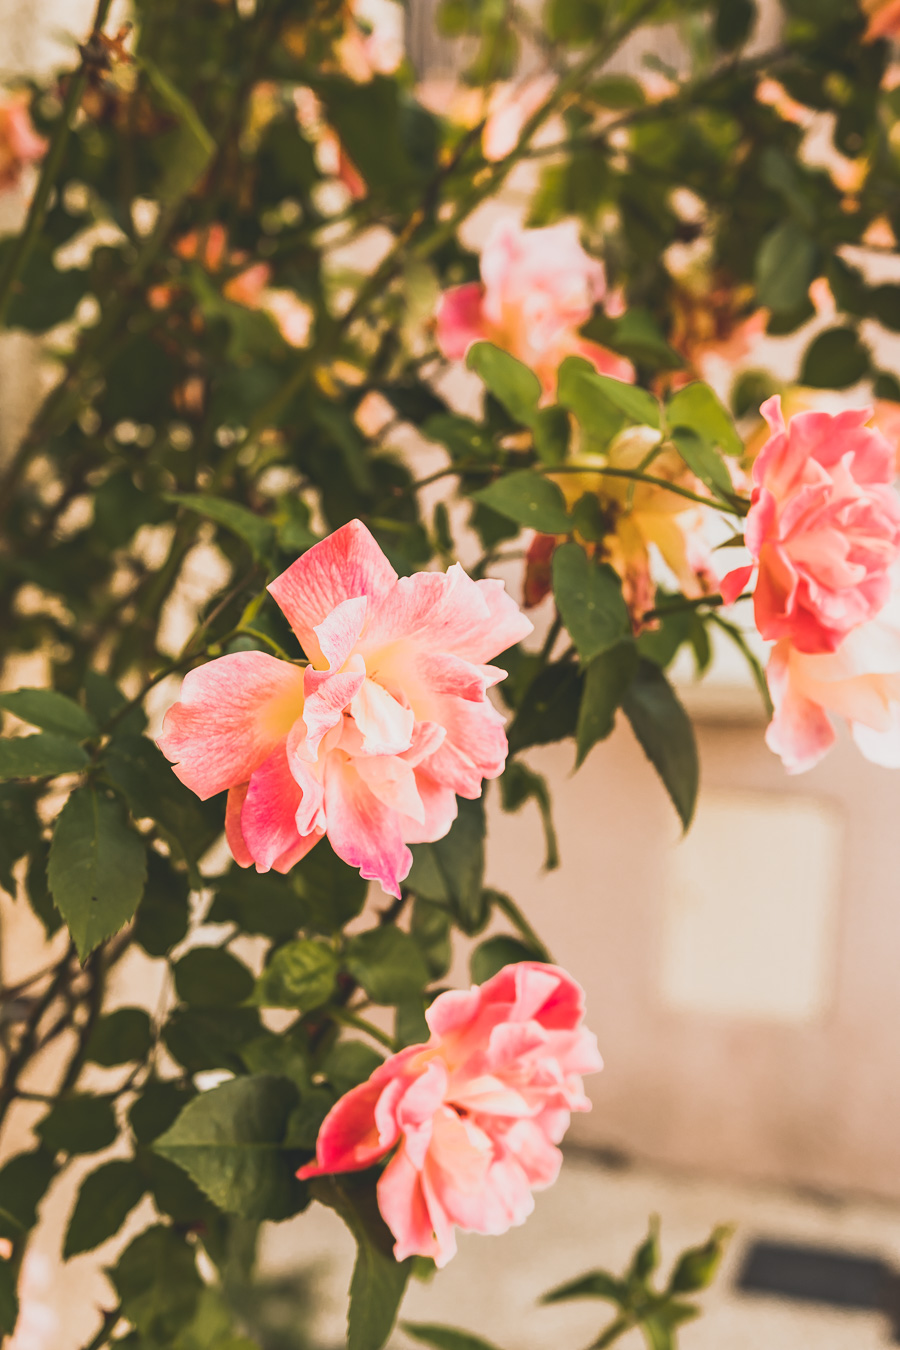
{"points": [[811, 1100]]}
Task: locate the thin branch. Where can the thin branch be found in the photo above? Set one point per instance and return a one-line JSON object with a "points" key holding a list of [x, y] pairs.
{"points": [[51, 166]]}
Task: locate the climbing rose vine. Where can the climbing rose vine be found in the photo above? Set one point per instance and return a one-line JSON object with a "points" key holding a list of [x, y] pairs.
{"points": [[372, 430]]}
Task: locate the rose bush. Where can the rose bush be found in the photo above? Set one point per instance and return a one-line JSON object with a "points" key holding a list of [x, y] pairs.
{"points": [[244, 669]]}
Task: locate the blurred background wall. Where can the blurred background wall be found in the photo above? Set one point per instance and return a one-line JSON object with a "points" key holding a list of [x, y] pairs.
{"points": [[743, 982]]}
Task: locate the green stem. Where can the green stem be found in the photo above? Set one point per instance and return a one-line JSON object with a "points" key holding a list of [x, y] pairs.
{"points": [[759, 675], [740, 506], [515, 916], [612, 1333], [550, 641], [51, 167], [263, 637], [352, 1019]]}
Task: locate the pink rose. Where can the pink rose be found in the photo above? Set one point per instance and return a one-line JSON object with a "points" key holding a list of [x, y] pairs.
{"points": [[860, 682], [372, 42], [477, 1112], [824, 527], [884, 19], [371, 741], [538, 287], [20, 144], [510, 107]]}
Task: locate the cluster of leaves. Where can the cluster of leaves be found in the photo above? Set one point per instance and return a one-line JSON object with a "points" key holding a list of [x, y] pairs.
{"points": [[638, 1304], [182, 419]]}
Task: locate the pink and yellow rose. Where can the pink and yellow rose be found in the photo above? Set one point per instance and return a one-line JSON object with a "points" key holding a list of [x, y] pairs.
{"points": [[369, 743], [642, 516], [475, 1114], [537, 288], [859, 682]]}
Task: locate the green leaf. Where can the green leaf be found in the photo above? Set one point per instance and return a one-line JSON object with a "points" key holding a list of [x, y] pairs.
{"points": [[42, 756], [24, 1180], [51, 711], [78, 1124], [606, 682], [387, 963], [145, 778], [697, 408], [451, 871], [349, 1063], [529, 499], [666, 736], [302, 974], [696, 1268], [549, 710], [258, 533], [332, 892], [835, 360], [785, 267], [9, 1299], [646, 1258], [598, 1284], [156, 1108], [591, 396], [229, 1141], [189, 149], [704, 461], [97, 868], [491, 956], [20, 833], [45, 296], [733, 23], [511, 382], [884, 303], [589, 599], [551, 429], [430, 926], [519, 784], [105, 1200], [379, 1279], [157, 1281], [120, 1037], [444, 1338], [210, 977], [269, 904], [210, 1038], [163, 915]]}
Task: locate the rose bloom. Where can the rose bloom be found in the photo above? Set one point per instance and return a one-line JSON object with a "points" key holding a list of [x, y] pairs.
{"points": [[475, 1114], [510, 107], [860, 682], [371, 742], [885, 416], [372, 41], [824, 527], [537, 288], [642, 516], [884, 19], [20, 144]]}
